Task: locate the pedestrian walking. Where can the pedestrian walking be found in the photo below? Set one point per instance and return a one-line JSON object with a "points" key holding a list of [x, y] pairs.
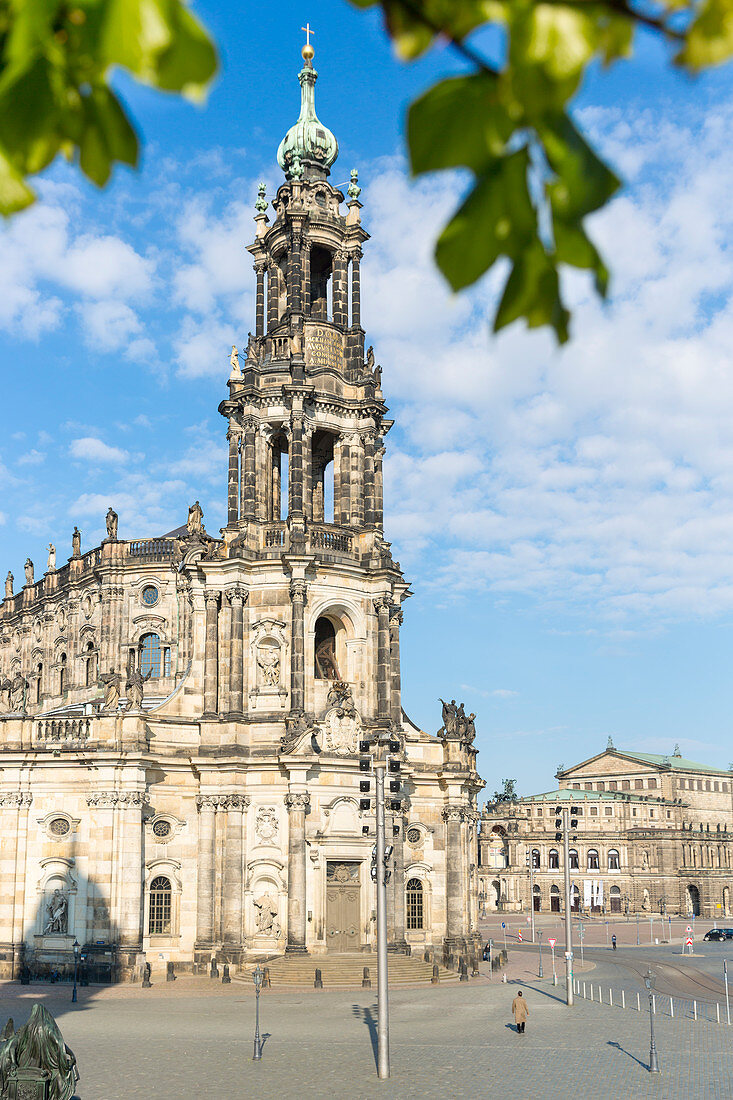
{"points": [[613, 941], [520, 1011]]}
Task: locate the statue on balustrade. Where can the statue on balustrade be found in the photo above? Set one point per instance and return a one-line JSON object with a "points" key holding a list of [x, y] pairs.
{"points": [[51, 567], [76, 543], [112, 683], [28, 571], [9, 585], [37, 1058], [112, 519], [135, 687], [195, 522]]}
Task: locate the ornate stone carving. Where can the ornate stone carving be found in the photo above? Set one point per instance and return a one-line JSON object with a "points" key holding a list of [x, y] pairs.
{"points": [[28, 567], [453, 813], [298, 591], [103, 799], [207, 801], [135, 688], [266, 909], [234, 802], [111, 682], [298, 802], [16, 798], [268, 665], [266, 825], [341, 723], [457, 725], [57, 912]]}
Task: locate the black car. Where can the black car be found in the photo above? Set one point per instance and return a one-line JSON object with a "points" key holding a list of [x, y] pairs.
{"points": [[717, 935]]}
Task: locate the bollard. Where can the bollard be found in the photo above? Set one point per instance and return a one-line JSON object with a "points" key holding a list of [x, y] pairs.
{"points": [[623, 999], [475, 973], [318, 983], [610, 997], [583, 990], [366, 981], [225, 979], [717, 1012], [266, 983], [426, 956], [462, 970], [694, 1010], [146, 976], [638, 1003], [591, 991], [436, 974], [214, 970], [671, 1008], [169, 972]]}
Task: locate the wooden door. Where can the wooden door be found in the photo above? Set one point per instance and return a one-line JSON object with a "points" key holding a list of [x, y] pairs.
{"points": [[343, 908]]}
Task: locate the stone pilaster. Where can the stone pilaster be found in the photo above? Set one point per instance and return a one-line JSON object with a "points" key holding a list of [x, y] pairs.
{"points": [[340, 289], [249, 472], [298, 806], [237, 598], [369, 445], [382, 607], [211, 659], [273, 290], [224, 650], [101, 811], [14, 808], [356, 288], [233, 482], [379, 453], [234, 850], [130, 824], [206, 866], [399, 943], [295, 466], [260, 307], [298, 597], [453, 817], [395, 701], [295, 274]]}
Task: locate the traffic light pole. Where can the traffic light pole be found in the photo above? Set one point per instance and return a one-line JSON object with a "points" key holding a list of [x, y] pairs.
{"points": [[382, 974], [568, 910]]}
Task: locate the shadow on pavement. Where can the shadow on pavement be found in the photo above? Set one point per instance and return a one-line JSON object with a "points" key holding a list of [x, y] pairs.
{"points": [[628, 1054], [368, 1016]]}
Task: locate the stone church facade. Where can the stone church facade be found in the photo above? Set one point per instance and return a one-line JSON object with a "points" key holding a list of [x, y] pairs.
{"points": [[180, 716], [654, 835]]}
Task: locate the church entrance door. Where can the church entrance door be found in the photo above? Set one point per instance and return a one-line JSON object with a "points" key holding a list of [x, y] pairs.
{"points": [[343, 897]]}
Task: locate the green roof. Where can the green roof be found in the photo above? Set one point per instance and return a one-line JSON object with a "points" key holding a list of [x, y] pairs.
{"points": [[675, 762], [567, 795]]}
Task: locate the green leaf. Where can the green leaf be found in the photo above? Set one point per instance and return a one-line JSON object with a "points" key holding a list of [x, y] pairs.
{"points": [[459, 121], [190, 61], [574, 247], [561, 39], [133, 34], [107, 136], [532, 291], [29, 116], [710, 38], [414, 26], [497, 219], [15, 194], [583, 182]]}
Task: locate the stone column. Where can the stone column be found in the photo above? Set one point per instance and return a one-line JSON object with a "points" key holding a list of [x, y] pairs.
{"points": [[306, 278], [233, 487], [453, 816], [378, 488], [211, 659], [340, 289], [356, 496], [369, 443], [295, 274], [249, 473], [395, 622], [382, 607], [295, 465], [355, 289], [399, 942], [130, 808], [14, 807], [101, 808], [298, 806], [263, 474], [206, 865], [237, 598], [298, 597], [260, 307], [235, 805], [273, 289], [342, 513], [224, 627]]}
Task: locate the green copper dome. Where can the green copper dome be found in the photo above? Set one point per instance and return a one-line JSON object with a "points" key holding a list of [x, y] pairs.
{"points": [[309, 148]]}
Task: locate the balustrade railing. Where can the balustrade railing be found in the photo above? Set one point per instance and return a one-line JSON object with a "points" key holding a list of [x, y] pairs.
{"points": [[63, 729], [150, 549], [322, 538], [275, 536]]}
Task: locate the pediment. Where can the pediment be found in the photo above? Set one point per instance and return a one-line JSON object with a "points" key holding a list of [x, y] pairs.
{"points": [[609, 763]]}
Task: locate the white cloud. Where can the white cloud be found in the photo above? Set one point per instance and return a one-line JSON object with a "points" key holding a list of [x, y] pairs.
{"points": [[91, 449], [108, 325], [31, 458]]}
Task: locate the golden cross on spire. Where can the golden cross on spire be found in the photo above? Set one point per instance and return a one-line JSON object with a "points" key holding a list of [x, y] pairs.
{"points": [[308, 33]]}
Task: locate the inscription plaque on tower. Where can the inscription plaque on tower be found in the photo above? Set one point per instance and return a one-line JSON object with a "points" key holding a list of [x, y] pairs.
{"points": [[323, 347]]}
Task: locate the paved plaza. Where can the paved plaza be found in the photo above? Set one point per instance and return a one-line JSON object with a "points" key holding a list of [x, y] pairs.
{"points": [[195, 1038]]}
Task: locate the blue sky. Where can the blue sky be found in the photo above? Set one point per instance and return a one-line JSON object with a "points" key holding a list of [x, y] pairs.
{"points": [[566, 518]]}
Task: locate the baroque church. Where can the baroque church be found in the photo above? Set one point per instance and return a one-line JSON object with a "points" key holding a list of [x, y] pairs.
{"points": [[181, 716]]}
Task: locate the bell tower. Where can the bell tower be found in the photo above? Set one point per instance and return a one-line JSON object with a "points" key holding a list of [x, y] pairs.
{"points": [[306, 427]]}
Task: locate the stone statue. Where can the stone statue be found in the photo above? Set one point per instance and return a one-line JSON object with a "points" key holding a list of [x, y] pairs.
{"points": [[112, 519], [58, 914], [508, 792], [644, 860], [645, 903], [39, 1045], [326, 666], [195, 523], [252, 354], [268, 662], [266, 908], [17, 692], [135, 687], [76, 543], [449, 714], [111, 682], [9, 584], [461, 721], [234, 361], [28, 571], [51, 567], [470, 729], [370, 359]]}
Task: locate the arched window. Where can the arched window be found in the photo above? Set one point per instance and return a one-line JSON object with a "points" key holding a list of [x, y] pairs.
{"points": [[615, 894], [159, 923], [555, 899], [593, 863], [575, 899], [614, 862], [326, 667], [322, 471], [320, 283], [536, 899], [150, 655], [62, 674], [415, 906], [535, 858], [90, 664], [574, 863], [554, 860]]}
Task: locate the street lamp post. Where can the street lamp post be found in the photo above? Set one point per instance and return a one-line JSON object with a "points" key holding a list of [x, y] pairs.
{"points": [[650, 980], [76, 949], [539, 937], [257, 976]]}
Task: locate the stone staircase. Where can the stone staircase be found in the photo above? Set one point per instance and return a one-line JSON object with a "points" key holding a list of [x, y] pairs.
{"points": [[344, 971]]}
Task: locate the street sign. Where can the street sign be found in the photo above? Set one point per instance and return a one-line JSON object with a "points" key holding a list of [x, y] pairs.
{"points": [[552, 942], [688, 930], [503, 924], [688, 941]]}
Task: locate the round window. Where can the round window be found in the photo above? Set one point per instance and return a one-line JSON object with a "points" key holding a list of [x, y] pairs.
{"points": [[150, 595], [59, 826], [413, 836], [162, 829]]}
